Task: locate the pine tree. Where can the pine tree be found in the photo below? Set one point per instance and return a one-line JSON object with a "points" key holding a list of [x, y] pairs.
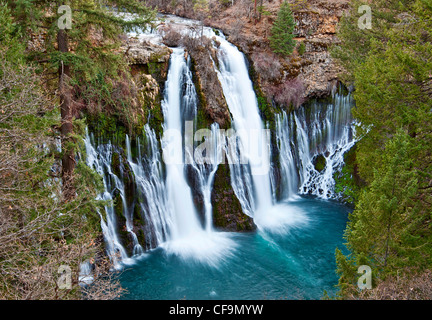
{"points": [[390, 230], [39, 232], [282, 32], [76, 55]]}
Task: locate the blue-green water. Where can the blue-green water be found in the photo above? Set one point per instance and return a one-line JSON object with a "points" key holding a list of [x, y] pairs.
{"points": [[297, 262]]}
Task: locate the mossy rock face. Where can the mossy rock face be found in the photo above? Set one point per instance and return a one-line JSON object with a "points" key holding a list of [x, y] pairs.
{"points": [[319, 163], [227, 211], [123, 234]]}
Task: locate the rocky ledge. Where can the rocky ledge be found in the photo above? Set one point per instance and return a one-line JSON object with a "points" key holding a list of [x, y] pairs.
{"points": [[310, 69]]}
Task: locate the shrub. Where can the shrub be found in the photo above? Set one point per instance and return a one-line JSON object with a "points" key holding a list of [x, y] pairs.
{"points": [[267, 65], [171, 36], [290, 93]]}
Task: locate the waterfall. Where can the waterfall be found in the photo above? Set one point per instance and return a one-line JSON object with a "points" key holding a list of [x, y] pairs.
{"points": [[253, 147], [318, 132], [330, 134], [151, 197], [164, 200], [148, 180], [287, 160], [100, 161], [205, 169], [179, 194], [163, 195], [188, 237], [326, 131]]}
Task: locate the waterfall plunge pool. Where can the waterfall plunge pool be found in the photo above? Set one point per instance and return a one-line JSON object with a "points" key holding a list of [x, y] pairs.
{"points": [[296, 261]]}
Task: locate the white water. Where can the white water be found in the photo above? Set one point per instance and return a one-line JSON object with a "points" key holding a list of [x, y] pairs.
{"points": [[251, 183], [166, 200], [325, 130], [185, 218], [205, 168], [100, 161], [286, 146], [189, 239], [254, 143], [151, 189]]}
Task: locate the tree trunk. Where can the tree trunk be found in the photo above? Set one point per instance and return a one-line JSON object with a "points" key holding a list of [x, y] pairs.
{"points": [[68, 159], [260, 10]]}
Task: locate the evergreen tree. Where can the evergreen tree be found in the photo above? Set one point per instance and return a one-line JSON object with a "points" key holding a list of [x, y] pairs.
{"points": [[390, 230], [77, 55], [282, 32], [39, 232]]}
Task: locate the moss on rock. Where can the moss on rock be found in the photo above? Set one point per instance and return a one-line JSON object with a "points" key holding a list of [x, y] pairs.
{"points": [[227, 211], [319, 163]]}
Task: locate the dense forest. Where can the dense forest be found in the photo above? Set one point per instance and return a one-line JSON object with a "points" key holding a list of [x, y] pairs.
{"points": [[390, 65], [56, 81]]}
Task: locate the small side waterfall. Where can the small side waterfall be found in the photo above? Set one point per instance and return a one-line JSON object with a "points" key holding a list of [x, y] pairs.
{"points": [[312, 142], [205, 167], [289, 183], [151, 192], [100, 161]]}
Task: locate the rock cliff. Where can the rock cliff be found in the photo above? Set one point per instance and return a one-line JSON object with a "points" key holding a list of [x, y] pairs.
{"points": [[310, 69]]}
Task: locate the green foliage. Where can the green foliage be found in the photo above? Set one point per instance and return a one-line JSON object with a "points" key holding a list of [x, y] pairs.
{"points": [[390, 66], [39, 230], [99, 73], [302, 48], [282, 32], [262, 10], [347, 182], [8, 31]]}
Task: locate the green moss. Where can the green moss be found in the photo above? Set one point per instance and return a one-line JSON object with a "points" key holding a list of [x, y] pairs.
{"points": [[320, 163], [115, 164], [141, 237], [202, 120], [227, 210], [106, 127], [137, 218], [154, 115]]}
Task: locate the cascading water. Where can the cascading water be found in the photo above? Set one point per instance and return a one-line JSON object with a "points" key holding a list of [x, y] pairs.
{"points": [[324, 132], [100, 160], [249, 158], [165, 201], [179, 193], [205, 167], [151, 196], [286, 146], [166, 183], [254, 141], [164, 195], [188, 237]]}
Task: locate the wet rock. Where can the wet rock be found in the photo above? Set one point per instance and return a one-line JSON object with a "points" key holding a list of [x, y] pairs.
{"points": [[227, 211]]}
